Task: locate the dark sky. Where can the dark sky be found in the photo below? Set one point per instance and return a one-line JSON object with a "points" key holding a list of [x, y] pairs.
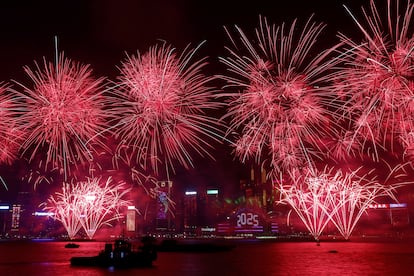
{"points": [[98, 32]]}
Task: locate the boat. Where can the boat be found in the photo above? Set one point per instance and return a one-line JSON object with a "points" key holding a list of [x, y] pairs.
{"points": [[120, 254], [71, 245]]}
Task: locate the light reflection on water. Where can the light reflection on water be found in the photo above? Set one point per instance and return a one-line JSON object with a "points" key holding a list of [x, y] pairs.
{"points": [[270, 258]]}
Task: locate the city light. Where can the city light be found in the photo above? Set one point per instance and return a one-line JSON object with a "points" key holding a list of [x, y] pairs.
{"points": [[387, 205], [44, 214], [212, 192]]}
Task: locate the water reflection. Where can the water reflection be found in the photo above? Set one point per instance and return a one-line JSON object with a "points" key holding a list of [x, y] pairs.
{"points": [[264, 258]]}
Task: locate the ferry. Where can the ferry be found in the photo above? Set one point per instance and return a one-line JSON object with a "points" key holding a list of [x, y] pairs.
{"points": [[120, 254]]}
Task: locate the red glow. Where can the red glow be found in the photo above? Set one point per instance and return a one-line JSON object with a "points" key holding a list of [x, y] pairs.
{"points": [[340, 198], [160, 105], [288, 112], [63, 113], [89, 205], [10, 134], [278, 107], [376, 80]]}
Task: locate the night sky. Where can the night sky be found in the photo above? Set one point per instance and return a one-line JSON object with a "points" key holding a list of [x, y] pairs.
{"points": [[99, 32]]}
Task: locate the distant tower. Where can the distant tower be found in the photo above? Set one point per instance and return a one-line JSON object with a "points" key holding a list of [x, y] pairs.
{"points": [[257, 187], [131, 219], [4, 218], [212, 206], [16, 211], [163, 216], [190, 212]]}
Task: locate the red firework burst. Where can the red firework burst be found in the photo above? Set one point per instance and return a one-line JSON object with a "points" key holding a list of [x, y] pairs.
{"points": [[377, 79], [11, 134], [63, 113], [279, 107], [160, 106]]}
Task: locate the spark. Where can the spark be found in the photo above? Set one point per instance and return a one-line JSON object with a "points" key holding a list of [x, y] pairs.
{"points": [[88, 204], [308, 197], [11, 134], [280, 94], [341, 198], [376, 79], [160, 108], [64, 113]]}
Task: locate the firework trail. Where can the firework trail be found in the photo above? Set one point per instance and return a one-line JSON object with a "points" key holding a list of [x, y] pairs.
{"points": [[64, 113], [88, 204], [11, 134], [341, 198], [151, 186], [160, 108], [101, 166], [376, 82], [101, 203], [352, 197], [281, 91], [64, 206], [144, 179], [309, 198]]}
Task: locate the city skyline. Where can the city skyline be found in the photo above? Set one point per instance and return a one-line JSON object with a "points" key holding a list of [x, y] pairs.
{"points": [[101, 33], [276, 137]]}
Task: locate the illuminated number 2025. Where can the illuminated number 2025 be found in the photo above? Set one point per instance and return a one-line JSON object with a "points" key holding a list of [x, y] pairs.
{"points": [[248, 219]]}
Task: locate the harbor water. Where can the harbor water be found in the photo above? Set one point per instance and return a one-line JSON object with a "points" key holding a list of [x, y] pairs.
{"points": [[246, 258]]}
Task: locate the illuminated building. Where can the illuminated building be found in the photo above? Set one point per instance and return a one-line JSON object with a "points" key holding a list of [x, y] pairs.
{"points": [[4, 218], [211, 207], [190, 212], [200, 211], [396, 214], [257, 189], [131, 219], [253, 212], [209, 211], [15, 224], [163, 212]]}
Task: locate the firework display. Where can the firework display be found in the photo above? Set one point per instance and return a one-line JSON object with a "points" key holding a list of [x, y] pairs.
{"points": [[376, 81], [10, 134], [88, 204], [320, 198], [293, 109], [309, 197], [281, 92], [316, 119], [352, 197], [64, 207], [63, 113], [160, 108]]}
